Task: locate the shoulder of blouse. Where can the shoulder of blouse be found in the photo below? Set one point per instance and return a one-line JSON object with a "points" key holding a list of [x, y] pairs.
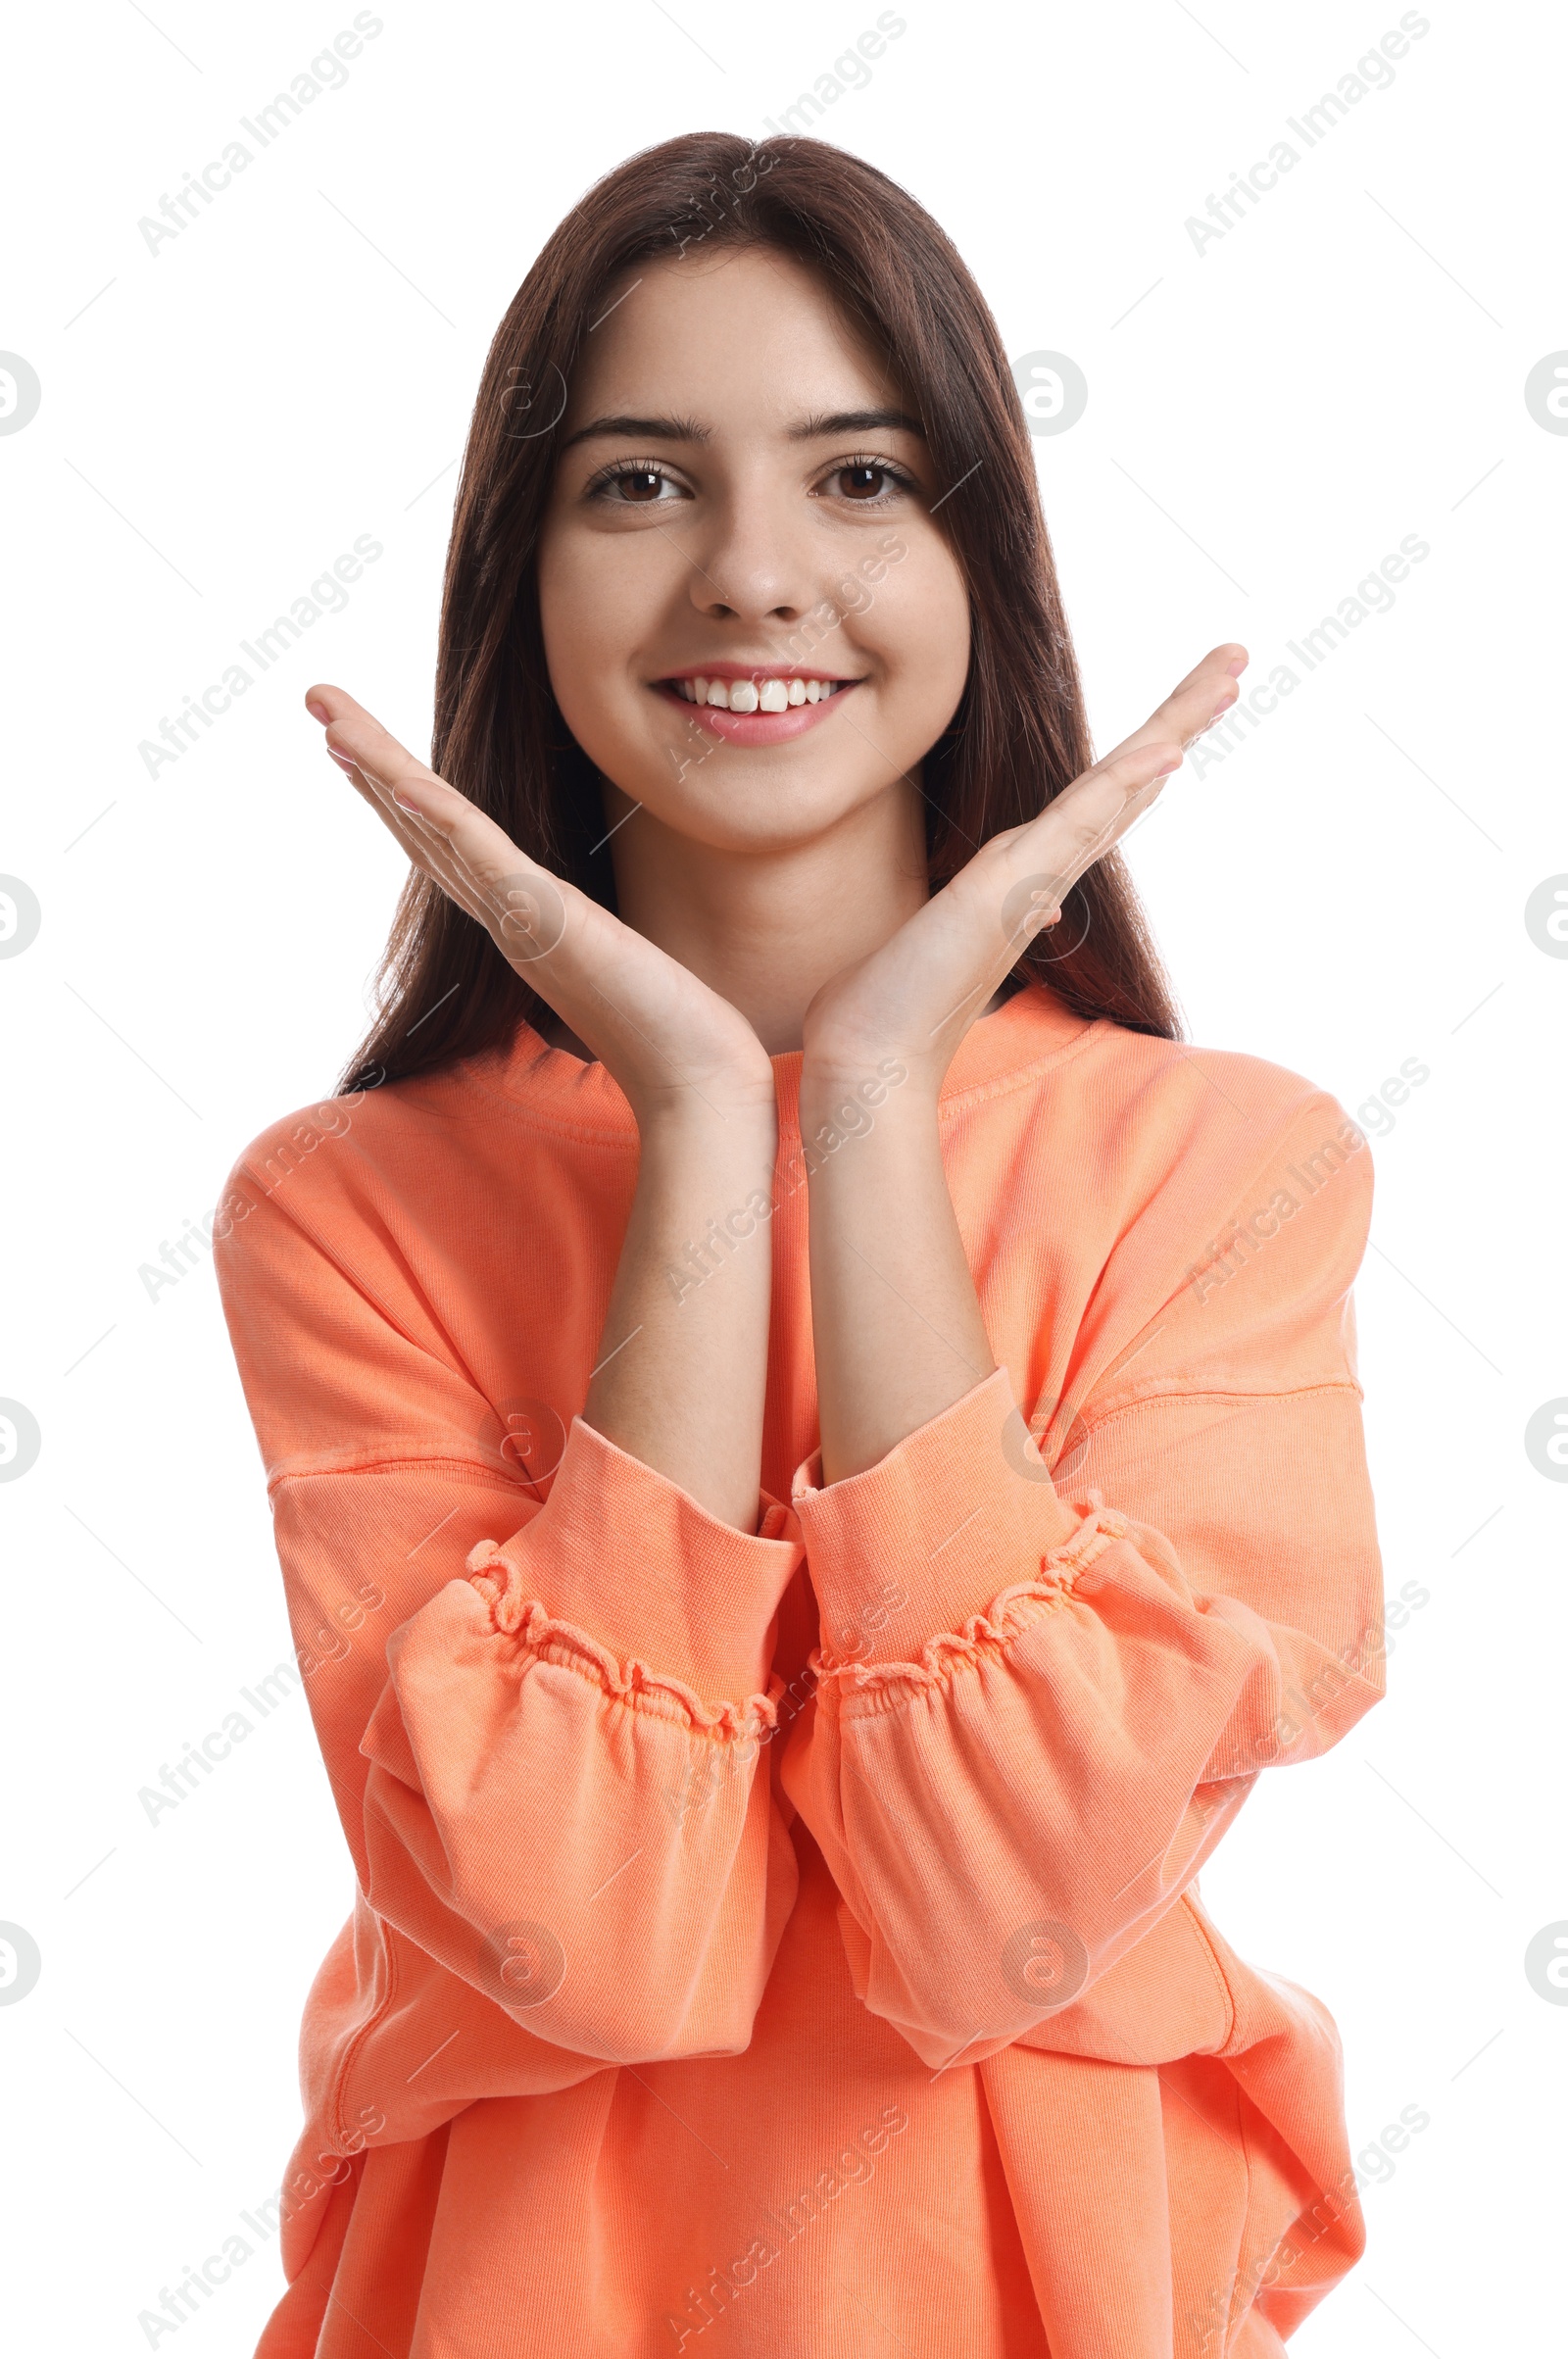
{"points": [[1144, 1111]]}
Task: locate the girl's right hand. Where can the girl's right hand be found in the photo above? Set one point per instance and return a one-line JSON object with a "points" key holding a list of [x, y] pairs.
{"points": [[672, 1045]]}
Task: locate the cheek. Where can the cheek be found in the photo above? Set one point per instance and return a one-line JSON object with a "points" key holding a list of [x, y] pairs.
{"points": [[578, 607], [597, 597], [919, 625]]}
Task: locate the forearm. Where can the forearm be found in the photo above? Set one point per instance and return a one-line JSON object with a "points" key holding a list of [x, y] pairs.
{"points": [[681, 1370], [896, 1320]]}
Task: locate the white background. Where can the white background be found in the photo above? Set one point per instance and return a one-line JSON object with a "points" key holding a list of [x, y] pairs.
{"points": [[1266, 419]]}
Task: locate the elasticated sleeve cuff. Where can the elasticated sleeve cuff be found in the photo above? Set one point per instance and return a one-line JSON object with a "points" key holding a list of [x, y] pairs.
{"points": [[624, 1554], [959, 1511]]}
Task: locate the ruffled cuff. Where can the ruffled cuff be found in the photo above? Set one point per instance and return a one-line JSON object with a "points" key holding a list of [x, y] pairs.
{"points": [[958, 1514], [629, 1560]]}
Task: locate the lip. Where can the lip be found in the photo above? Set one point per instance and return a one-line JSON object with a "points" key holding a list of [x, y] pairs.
{"points": [[752, 728]]}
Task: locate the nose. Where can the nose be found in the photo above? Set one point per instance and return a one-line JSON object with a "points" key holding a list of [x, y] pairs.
{"points": [[751, 560]]}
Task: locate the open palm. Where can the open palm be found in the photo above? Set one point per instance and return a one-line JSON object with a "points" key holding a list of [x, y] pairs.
{"points": [[662, 1034], [918, 995]]}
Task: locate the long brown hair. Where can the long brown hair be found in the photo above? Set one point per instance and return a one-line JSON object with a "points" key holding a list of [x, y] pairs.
{"points": [[1019, 736]]}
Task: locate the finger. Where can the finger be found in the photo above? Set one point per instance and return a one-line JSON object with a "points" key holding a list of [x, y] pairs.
{"points": [[414, 833], [419, 845], [1044, 860], [415, 837], [357, 735], [1083, 824], [357, 742], [451, 827], [411, 789], [525, 908], [1194, 703], [469, 855], [522, 905]]}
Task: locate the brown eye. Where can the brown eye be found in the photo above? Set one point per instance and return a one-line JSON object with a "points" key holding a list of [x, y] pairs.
{"points": [[634, 483], [863, 483]]}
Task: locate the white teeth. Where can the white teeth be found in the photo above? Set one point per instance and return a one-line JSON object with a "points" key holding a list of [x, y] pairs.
{"points": [[753, 696]]}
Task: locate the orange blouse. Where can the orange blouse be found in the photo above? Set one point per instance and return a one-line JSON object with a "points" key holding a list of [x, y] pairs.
{"points": [[795, 1937]]}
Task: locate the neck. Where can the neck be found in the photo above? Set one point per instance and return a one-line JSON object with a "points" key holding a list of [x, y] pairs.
{"points": [[766, 929]]}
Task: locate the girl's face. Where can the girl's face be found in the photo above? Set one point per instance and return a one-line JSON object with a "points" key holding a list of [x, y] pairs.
{"points": [[742, 498]]}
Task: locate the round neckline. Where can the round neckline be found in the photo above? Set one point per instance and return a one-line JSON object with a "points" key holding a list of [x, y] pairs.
{"points": [[1032, 1028]]}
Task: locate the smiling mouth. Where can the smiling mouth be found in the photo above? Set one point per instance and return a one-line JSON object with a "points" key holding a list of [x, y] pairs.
{"points": [[754, 692]]}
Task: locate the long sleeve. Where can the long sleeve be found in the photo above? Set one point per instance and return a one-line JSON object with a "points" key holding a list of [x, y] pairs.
{"points": [[533, 1755], [1016, 1764], [516, 1696]]}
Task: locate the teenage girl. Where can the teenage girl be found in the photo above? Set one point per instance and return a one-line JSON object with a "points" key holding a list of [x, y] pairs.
{"points": [[816, 1446]]}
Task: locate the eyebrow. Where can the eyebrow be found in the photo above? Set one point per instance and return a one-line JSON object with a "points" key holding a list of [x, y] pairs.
{"points": [[687, 429], [855, 421], [640, 430]]}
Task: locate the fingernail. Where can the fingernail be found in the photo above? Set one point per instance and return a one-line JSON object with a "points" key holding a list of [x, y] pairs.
{"points": [[1220, 709], [342, 760], [1236, 666], [317, 710], [412, 809]]}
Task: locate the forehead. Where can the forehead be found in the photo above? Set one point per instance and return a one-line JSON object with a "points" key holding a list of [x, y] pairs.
{"points": [[749, 338]]}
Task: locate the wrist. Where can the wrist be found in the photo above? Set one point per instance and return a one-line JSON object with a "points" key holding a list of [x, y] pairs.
{"points": [[717, 1121], [695, 1174], [849, 1095]]}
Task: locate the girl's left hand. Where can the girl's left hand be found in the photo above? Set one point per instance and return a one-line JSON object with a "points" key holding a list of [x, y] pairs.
{"points": [[915, 998]]}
